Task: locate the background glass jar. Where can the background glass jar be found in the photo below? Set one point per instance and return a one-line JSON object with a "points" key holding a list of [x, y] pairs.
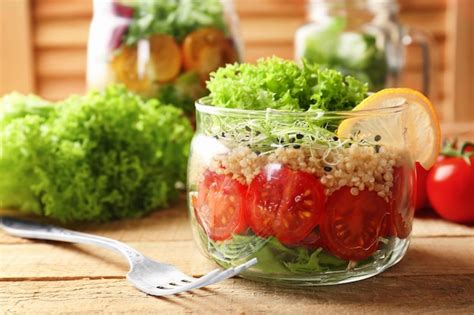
{"points": [[160, 48], [314, 208], [363, 38]]}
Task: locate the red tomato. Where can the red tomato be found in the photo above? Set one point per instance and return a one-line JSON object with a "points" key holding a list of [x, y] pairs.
{"points": [[285, 203], [313, 240], [421, 196], [402, 202], [450, 189], [351, 224], [219, 206]]}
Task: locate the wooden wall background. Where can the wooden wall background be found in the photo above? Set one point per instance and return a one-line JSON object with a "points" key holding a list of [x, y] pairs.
{"points": [[59, 31]]}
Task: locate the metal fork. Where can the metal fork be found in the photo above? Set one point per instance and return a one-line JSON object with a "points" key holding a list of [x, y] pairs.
{"points": [[147, 275]]}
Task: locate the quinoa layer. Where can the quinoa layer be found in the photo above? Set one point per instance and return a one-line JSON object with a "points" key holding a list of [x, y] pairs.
{"points": [[358, 166]]}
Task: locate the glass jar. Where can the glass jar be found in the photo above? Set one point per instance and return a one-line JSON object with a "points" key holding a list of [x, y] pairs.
{"points": [[362, 38], [160, 48], [314, 207]]}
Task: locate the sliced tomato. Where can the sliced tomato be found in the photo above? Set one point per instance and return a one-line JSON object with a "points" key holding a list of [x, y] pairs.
{"points": [[206, 49], [285, 203], [313, 240], [219, 206], [166, 57], [403, 201], [351, 224]]}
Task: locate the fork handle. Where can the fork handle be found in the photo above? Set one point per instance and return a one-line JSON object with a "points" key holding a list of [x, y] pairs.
{"points": [[29, 229]]}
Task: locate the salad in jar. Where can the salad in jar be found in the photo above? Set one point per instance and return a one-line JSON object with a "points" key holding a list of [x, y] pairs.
{"points": [[160, 48], [297, 167]]}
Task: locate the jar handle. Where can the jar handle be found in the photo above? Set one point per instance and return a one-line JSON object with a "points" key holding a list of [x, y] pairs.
{"points": [[425, 41]]}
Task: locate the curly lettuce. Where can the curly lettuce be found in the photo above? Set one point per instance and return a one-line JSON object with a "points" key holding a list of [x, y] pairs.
{"points": [[102, 156], [282, 84], [174, 17]]}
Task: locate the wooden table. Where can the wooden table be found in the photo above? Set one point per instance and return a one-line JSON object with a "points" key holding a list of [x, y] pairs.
{"points": [[436, 276]]}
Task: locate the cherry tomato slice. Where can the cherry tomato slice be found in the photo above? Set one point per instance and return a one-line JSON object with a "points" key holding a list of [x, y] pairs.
{"points": [[125, 67], [403, 201], [219, 206], [206, 49], [285, 203], [166, 57], [421, 195], [313, 240], [351, 224]]}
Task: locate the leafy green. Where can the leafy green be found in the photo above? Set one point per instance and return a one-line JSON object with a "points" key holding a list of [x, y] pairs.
{"points": [[98, 157], [274, 83], [272, 256], [182, 92], [351, 53], [174, 17], [281, 84]]}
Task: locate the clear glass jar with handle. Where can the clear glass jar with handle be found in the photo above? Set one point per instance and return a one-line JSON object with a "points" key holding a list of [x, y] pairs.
{"points": [[363, 38], [161, 49]]}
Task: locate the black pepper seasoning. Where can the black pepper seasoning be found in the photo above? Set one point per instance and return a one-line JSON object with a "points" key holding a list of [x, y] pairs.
{"points": [[299, 136], [327, 168], [377, 148], [377, 137]]}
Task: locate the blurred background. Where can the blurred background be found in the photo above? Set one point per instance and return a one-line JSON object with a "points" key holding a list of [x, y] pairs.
{"points": [[43, 45]]}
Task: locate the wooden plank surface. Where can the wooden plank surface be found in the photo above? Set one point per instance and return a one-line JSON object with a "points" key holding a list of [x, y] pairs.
{"points": [[268, 28], [40, 277], [16, 50], [408, 295], [450, 256]]}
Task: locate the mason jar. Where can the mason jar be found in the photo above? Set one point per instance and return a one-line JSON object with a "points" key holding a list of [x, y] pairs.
{"points": [[314, 204], [362, 38], [161, 49]]}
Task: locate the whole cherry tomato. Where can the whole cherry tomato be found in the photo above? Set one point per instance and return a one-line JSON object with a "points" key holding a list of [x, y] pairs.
{"points": [[450, 187]]}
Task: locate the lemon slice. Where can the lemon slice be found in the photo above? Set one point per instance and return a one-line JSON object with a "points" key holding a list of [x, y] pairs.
{"points": [[397, 117]]}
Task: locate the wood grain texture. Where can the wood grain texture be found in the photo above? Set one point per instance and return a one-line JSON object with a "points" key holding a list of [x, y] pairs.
{"points": [[461, 56], [16, 50], [267, 29], [407, 295], [450, 256]]}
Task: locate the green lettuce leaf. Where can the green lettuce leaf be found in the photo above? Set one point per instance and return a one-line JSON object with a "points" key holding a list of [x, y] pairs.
{"points": [[97, 157], [273, 257]]}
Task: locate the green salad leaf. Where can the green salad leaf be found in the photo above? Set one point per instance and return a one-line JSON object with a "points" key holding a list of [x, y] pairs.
{"points": [[282, 84], [272, 256], [278, 84], [98, 157], [355, 54], [174, 17]]}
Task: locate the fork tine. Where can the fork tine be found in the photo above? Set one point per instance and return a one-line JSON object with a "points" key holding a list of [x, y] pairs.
{"points": [[186, 287], [209, 278], [229, 273]]}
